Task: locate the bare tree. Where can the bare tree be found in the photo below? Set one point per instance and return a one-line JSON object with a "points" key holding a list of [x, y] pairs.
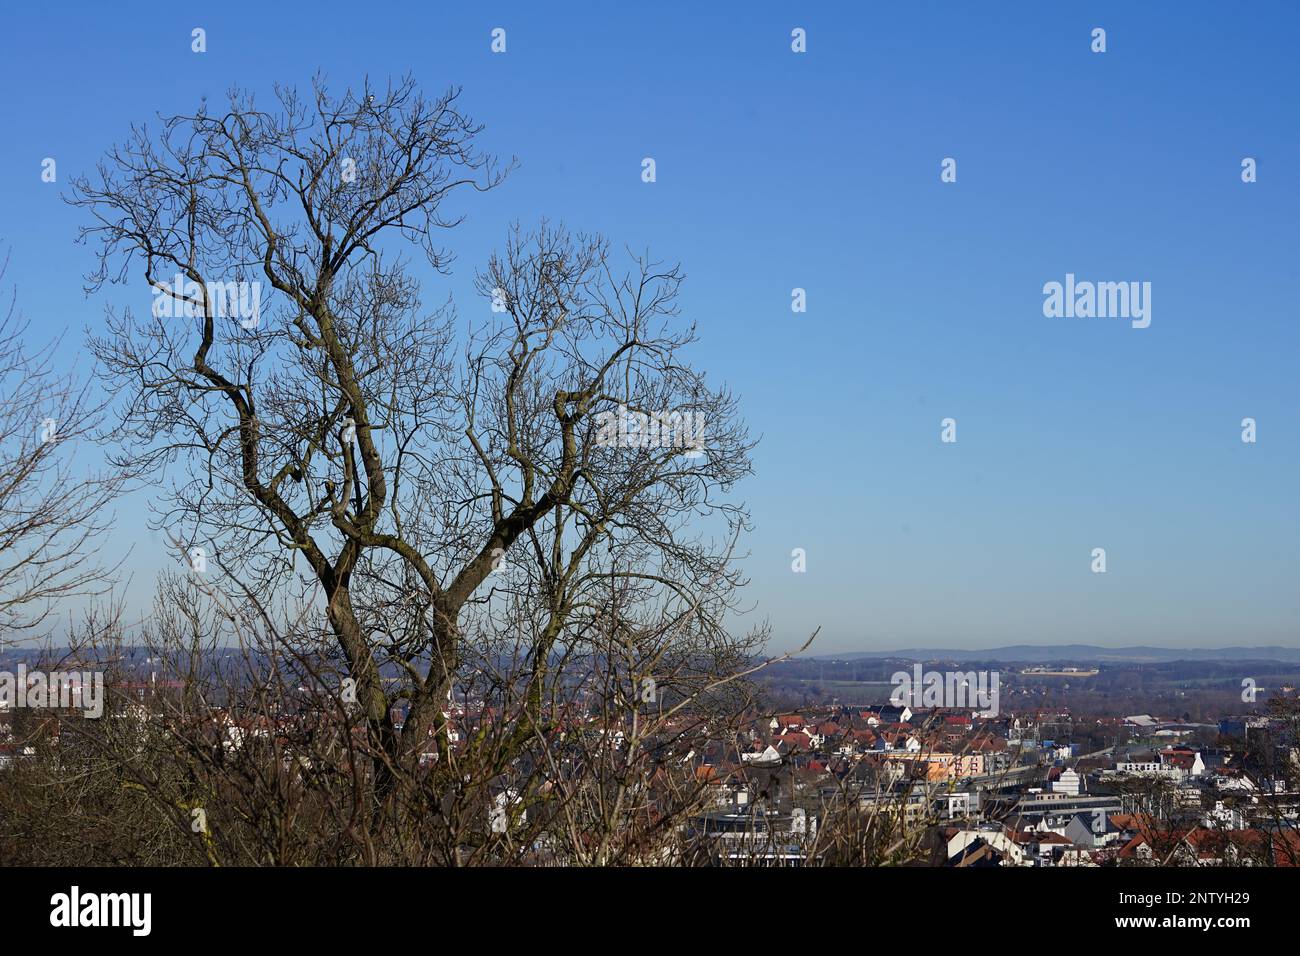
{"points": [[51, 505], [506, 498]]}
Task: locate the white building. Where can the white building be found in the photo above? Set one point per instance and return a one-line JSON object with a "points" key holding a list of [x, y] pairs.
{"points": [[1067, 783]]}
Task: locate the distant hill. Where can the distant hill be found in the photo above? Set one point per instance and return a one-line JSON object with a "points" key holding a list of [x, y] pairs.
{"points": [[1079, 653]]}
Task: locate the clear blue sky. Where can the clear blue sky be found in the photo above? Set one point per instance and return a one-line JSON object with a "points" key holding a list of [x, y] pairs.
{"points": [[821, 171]]}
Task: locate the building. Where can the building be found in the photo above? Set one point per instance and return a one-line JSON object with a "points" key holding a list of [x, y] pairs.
{"points": [[1067, 783]]}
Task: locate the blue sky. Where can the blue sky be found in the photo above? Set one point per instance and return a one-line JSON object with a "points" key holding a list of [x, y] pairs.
{"points": [[821, 171]]}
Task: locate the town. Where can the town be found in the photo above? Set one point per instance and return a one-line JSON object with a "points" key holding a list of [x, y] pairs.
{"points": [[832, 783], [1019, 789]]}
